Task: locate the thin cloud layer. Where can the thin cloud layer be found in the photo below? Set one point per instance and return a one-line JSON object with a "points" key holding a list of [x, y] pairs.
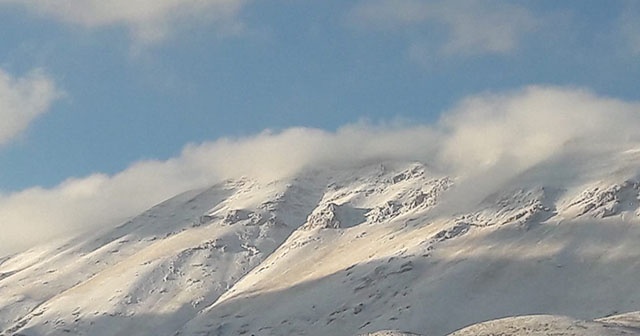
{"points": [[22, 100], [148, 21], [488, 136], [473, 27], [629, 28]]}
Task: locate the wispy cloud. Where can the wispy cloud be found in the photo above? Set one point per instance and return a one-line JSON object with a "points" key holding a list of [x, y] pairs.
{"points": [[502, 133], [470, 27], [22, 100], [148, 21], [629, 28], [526, 127]]}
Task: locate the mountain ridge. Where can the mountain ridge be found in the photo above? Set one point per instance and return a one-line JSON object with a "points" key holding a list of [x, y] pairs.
{"points": [[340, 251]]}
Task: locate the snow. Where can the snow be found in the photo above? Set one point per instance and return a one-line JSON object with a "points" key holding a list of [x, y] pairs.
{"points": [[349, 252], [390, 333], [542, 325]]}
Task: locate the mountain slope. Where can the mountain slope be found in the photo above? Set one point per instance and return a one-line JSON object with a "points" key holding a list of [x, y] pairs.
{"points": [[546, 325], [343, 252]]}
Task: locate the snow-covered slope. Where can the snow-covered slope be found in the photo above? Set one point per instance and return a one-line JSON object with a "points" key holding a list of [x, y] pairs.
{"points": [[347, 252], [542, 325]]}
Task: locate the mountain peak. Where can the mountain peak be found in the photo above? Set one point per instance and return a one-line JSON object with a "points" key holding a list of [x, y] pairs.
{"points": [[339, 251]]}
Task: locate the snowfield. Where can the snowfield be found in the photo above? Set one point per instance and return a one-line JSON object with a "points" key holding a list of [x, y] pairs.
{"points": [[352, 251]]}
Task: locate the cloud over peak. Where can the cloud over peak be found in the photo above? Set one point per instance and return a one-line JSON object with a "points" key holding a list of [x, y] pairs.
{"points": [[527, 126], [505, 133]]}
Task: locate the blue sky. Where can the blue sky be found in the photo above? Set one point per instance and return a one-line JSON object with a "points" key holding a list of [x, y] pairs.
{"points": [[316, 64], [111, 106]]}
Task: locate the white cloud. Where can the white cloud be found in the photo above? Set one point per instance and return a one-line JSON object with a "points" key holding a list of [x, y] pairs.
{"points": [[149, 21], [22, 100], [78, 205], [472, 26], [527, 126], [492, 136], [490, 139]]}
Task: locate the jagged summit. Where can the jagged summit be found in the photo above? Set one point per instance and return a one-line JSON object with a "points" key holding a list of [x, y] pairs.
{"points": [[343, 251]]}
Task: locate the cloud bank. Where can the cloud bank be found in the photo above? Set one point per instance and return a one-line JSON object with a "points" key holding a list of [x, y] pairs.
{"points": [[473, 27], [22, 100], [148, 21], [494, 136]]}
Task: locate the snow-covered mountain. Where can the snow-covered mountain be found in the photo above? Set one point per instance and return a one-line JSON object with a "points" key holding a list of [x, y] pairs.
{"points": [[350, 251]]}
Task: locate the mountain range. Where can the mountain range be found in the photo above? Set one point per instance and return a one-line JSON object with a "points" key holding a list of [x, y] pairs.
{"points": [[380, 248]]}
